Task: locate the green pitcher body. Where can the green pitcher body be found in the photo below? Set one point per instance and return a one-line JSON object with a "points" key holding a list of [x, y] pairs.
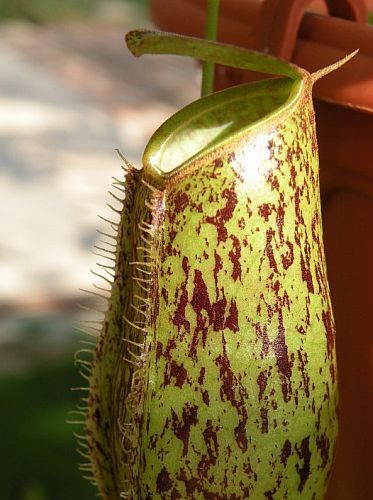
{"points": [[214, 375], [241, 391]]}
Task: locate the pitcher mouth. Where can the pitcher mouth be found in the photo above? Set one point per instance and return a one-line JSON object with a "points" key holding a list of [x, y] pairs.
{"points": [[215, 121]]}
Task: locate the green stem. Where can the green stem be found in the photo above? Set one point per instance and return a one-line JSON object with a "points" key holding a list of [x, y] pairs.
{"points": [[208, 68]]}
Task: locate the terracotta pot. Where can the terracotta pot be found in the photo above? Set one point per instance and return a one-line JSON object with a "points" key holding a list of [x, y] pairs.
{"points": [[344, 108]]}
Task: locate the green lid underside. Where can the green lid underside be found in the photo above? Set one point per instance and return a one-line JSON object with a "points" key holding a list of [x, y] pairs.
{"points": [[142, 42]]}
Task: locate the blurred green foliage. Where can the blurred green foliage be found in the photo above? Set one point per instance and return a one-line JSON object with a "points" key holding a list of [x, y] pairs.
{"points": [[38, 457], [46, 10], [41, 11]]}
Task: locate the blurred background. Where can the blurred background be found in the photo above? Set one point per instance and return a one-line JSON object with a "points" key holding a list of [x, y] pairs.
{"points": [[70, 93]]}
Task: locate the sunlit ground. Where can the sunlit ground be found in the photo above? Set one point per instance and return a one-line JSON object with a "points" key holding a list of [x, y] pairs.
{"points": [[70, 94]]}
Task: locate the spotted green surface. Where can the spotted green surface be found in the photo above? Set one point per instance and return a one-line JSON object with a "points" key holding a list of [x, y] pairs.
{"points": [[241, 396]]}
